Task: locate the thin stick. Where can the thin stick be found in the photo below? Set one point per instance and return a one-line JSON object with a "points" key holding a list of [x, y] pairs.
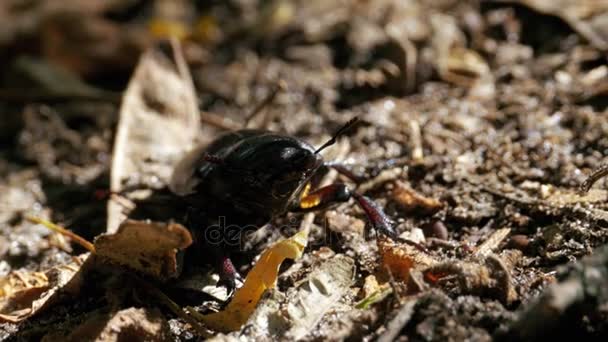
{"points": [[219, 121], [61, 230], [417, 152], [281, 86], [596, 175]]}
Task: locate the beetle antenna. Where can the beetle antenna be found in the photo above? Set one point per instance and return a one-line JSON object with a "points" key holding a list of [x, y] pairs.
{"points": [[340, 132]]}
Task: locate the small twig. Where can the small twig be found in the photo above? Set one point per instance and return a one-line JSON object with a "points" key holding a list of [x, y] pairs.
{"points": [[307, 222], [63, 231], [218, 121], [495, 239], [382, 178], [596, 175], [394, 327], [416, 138], [281, 86], [433, 241]]}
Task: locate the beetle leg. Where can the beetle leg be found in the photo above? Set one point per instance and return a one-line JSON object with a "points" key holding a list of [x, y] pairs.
{"points": [[206, 247], [335, 193], [228, 274], [376, 216], [381, 222], [322, 197], [220, 259]]}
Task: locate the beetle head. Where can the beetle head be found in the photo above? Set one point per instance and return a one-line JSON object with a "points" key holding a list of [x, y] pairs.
{"points": [[298, 165], [269, 170]]}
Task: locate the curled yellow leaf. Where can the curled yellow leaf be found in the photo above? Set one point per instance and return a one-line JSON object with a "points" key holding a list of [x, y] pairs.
{"points": [[263, 276]]}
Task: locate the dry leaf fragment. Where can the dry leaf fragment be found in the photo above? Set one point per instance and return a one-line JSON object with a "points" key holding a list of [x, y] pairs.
{"points": [[370, 285], [373, 292], [148, 247], [263, 276], [411, 201], [401, 258], [159, 121], [565, 196], [317, 294], [18, 282], [493, 241], [24, 294], [462, 66], [295, 314]]}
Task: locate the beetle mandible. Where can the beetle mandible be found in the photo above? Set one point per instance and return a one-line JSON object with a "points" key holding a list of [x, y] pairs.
{"points": [[245, 178]]}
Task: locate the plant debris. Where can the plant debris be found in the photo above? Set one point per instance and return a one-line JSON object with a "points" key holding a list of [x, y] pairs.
{"points": [[482, 135], [159, 121], [25, 294], [262, 276], [146, 247]]}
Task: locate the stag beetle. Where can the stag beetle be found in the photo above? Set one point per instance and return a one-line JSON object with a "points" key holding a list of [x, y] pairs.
{"points": [[245, 178]]}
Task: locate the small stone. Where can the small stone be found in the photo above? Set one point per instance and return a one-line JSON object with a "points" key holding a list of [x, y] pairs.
{"points": [[519, 241], [436, 229]]}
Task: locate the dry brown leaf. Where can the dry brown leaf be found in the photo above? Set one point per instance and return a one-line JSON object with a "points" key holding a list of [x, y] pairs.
{"points": [[18, 281], [411, 201], [462, 66], [24, 294], [159, 121], [400, 259], [148, 247]]}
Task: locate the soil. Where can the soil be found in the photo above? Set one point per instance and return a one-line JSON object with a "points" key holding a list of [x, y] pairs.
{"points": [[491, 113]]}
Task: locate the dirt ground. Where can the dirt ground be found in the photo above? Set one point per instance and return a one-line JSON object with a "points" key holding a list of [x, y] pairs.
{"points": [[479, 121]]}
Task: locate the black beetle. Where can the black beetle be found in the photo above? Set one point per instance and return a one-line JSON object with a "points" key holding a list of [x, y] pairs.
{"points": [[243, 179]]}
